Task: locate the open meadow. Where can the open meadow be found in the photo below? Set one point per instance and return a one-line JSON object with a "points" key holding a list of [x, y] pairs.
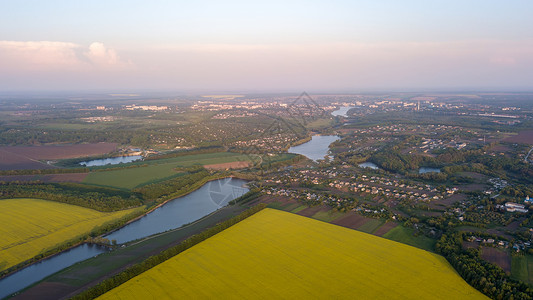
{"points": [[29, 227], [276, 254], [151, 171]]}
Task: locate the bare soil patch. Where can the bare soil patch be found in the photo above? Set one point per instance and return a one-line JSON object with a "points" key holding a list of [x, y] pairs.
{"points": [[474, 187], [385, 228], [501, 148], [229, 165], [27, 157], [498, 257], [46, 291], [61, 151], [470, 245], [69, 177], [523, 137], [351, 220], [473, 175], [513, 226], [452, 199], [311, 211], [14, 161]]}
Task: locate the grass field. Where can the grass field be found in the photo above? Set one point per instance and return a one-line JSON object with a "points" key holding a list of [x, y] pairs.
{"points": [[371, 226], [275, 254], [327, 216], [29, 227], [522, 268], [158, 170], [405, 236]]}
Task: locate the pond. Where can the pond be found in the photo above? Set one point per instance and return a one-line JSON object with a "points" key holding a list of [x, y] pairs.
{"points": [[173, 214], [110, 161], [342, 111], [316, 148], [423, 170], [370, 165]]}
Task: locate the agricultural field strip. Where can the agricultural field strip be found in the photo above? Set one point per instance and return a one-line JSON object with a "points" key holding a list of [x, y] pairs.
{"points": [[156, 170], [30, 226], [279, 254]]}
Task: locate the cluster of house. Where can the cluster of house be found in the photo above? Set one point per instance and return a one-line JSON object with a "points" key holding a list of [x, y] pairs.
{"points": [[489, 241], [145, 107], [516, 246], [430, 144], [374, 185], [275, 143]]}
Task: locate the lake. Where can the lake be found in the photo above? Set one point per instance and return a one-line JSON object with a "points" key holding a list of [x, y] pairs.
{"points": [[316, 148], [342, 111], [423, 170], [110, 161], [173, 214], [370, 165]]}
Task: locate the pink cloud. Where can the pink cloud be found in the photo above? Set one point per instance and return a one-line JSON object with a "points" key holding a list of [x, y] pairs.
{"points": [[58, 56]]}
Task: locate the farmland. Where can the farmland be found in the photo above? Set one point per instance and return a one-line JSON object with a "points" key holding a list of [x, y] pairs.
{"points": [[152, 171], [525, 137], [522, 268], [30, 226], [278, 254], [27, 157]]}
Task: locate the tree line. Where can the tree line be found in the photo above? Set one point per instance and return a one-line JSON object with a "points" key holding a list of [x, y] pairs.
{"points": [[155, 260], [97, 198], [482, 275]]}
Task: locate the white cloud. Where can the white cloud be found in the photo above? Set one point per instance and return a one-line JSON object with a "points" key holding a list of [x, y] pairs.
{"points": [[58, 56]]}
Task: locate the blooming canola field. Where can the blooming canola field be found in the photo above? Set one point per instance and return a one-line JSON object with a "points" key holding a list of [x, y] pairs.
{"points": [[29, 227], [276, 254]]}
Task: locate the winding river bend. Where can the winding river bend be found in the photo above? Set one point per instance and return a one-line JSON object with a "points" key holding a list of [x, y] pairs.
{"points": [[173, 214]]}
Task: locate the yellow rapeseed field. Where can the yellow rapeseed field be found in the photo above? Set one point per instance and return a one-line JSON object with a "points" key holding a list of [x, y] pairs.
{"points": [[275, 254], [31, 226]]}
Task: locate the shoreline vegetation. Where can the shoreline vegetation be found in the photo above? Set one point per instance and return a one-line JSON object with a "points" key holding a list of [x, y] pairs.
{"points": [[152, 261], [112, 226], [71, 243]]}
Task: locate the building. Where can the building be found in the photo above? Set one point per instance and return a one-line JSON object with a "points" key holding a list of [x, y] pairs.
{"points": [[515, 207]]}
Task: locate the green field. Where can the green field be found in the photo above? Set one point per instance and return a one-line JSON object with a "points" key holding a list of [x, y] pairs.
{"points": [[328, 216], [29, 227], [275, 254], [371, 225], [405, 235], [158, 170], [522, 268]]}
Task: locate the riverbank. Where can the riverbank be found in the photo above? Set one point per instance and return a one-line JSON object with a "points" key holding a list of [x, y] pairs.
{"points": [[71, 243], [85, 274], [108, 228]]}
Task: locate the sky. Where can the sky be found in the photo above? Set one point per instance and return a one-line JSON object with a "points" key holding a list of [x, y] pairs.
{"points": [[334, 46]]}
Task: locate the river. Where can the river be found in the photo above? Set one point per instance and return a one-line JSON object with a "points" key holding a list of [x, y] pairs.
{"points": [[316, 148], [189, 208], [173, 214], [110, 161]]}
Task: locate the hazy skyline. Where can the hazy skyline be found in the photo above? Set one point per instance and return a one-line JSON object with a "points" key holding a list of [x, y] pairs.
{"points": [[278, 46]]}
